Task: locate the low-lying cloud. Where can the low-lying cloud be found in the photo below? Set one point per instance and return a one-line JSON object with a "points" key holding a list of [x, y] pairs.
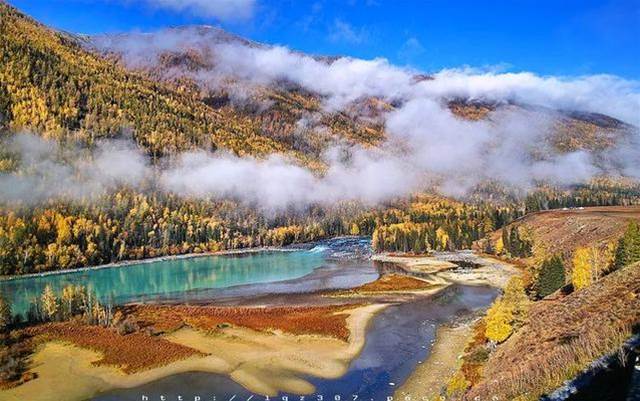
{"points": [[46, 170], [426, 143], [275, 183], [343, 80]]}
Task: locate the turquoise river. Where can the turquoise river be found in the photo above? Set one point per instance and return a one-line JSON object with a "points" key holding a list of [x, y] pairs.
{"points": [[167, 279]]}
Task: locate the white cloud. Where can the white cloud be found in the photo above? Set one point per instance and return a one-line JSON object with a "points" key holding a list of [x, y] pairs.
{"points": [[342, 31], [411, 49], [346, 79], [426, 142], [225, 10], [275, 183], [50, 171]]}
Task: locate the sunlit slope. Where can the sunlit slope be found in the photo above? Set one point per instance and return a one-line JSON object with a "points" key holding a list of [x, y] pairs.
{"points": [[298, 116], [569, 131], [562, 337], [51, 85], [282, 110], [561, 231]]}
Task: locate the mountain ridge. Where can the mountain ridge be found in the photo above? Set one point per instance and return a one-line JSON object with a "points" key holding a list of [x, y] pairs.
{"points": [[195, 57]]}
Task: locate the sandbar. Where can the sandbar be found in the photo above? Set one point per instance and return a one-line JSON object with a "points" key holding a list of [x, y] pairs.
{"points": [[263, 362]]}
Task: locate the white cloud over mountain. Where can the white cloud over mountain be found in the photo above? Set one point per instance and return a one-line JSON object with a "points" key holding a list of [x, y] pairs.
{"points": [[223, 10]]}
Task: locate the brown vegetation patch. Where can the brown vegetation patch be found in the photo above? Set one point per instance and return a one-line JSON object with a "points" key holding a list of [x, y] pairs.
{"points": [[468, 110], [15, 351], [571, 134], [131, 353], [393, 282], [562, 337], [475, 353], [321, 320]]}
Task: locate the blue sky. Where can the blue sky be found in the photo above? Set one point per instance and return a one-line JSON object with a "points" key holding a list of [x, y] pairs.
{"points": [[561, 37]]}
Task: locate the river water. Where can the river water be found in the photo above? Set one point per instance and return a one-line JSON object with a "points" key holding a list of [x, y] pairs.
{"points": [[168, 279], [398, 339]]}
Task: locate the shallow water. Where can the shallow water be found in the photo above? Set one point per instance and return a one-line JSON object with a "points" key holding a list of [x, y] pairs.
{"points": [[178, 279], [212, 278], [399, 338]]}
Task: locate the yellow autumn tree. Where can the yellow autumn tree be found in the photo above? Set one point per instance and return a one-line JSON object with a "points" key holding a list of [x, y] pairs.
{"points": [[499, 322], [499, 246], [457, 385], [588, 265], [582, 272], [49, 302], [442, 237], [515, 298], [355, 230]]}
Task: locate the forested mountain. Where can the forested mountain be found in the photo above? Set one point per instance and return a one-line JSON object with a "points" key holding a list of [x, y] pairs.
{"points": [[50, 84], [56, 83], [191, 63], [277, 110]]}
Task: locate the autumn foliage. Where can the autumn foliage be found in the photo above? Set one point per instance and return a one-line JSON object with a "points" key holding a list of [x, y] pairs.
{"points": [[132, 353], [319, 320]]}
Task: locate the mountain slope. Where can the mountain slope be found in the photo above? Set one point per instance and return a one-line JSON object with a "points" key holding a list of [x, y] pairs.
{"points": [[175, 98], [192, 58], [561, 231], [562, 337], [50, 84], [571, 130], [187, 59]]}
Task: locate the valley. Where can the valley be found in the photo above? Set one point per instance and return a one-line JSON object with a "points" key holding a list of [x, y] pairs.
{"points": [[186, 212], [330, 325]]}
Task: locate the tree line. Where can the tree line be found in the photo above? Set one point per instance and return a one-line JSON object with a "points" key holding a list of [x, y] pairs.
{"points": [[426, 224], [130, 225], [599, 192]]}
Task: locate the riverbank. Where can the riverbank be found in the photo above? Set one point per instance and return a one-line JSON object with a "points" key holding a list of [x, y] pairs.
{"points": [[296, 247], [441, 268], [248, 356], [267, 349], [415, 263], [429, 377]]}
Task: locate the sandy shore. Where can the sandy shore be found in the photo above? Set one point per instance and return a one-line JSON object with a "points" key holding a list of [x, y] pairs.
{"points": [[431, 376], [416, 264], [491, 271], [427, 380], [264, 363]]}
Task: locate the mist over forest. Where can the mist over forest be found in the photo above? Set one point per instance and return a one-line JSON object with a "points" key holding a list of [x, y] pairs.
{"points": [[425, 145]]}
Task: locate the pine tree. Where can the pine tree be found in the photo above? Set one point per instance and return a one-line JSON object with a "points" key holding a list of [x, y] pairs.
{"points": [[551, 276], [628, 250]]}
